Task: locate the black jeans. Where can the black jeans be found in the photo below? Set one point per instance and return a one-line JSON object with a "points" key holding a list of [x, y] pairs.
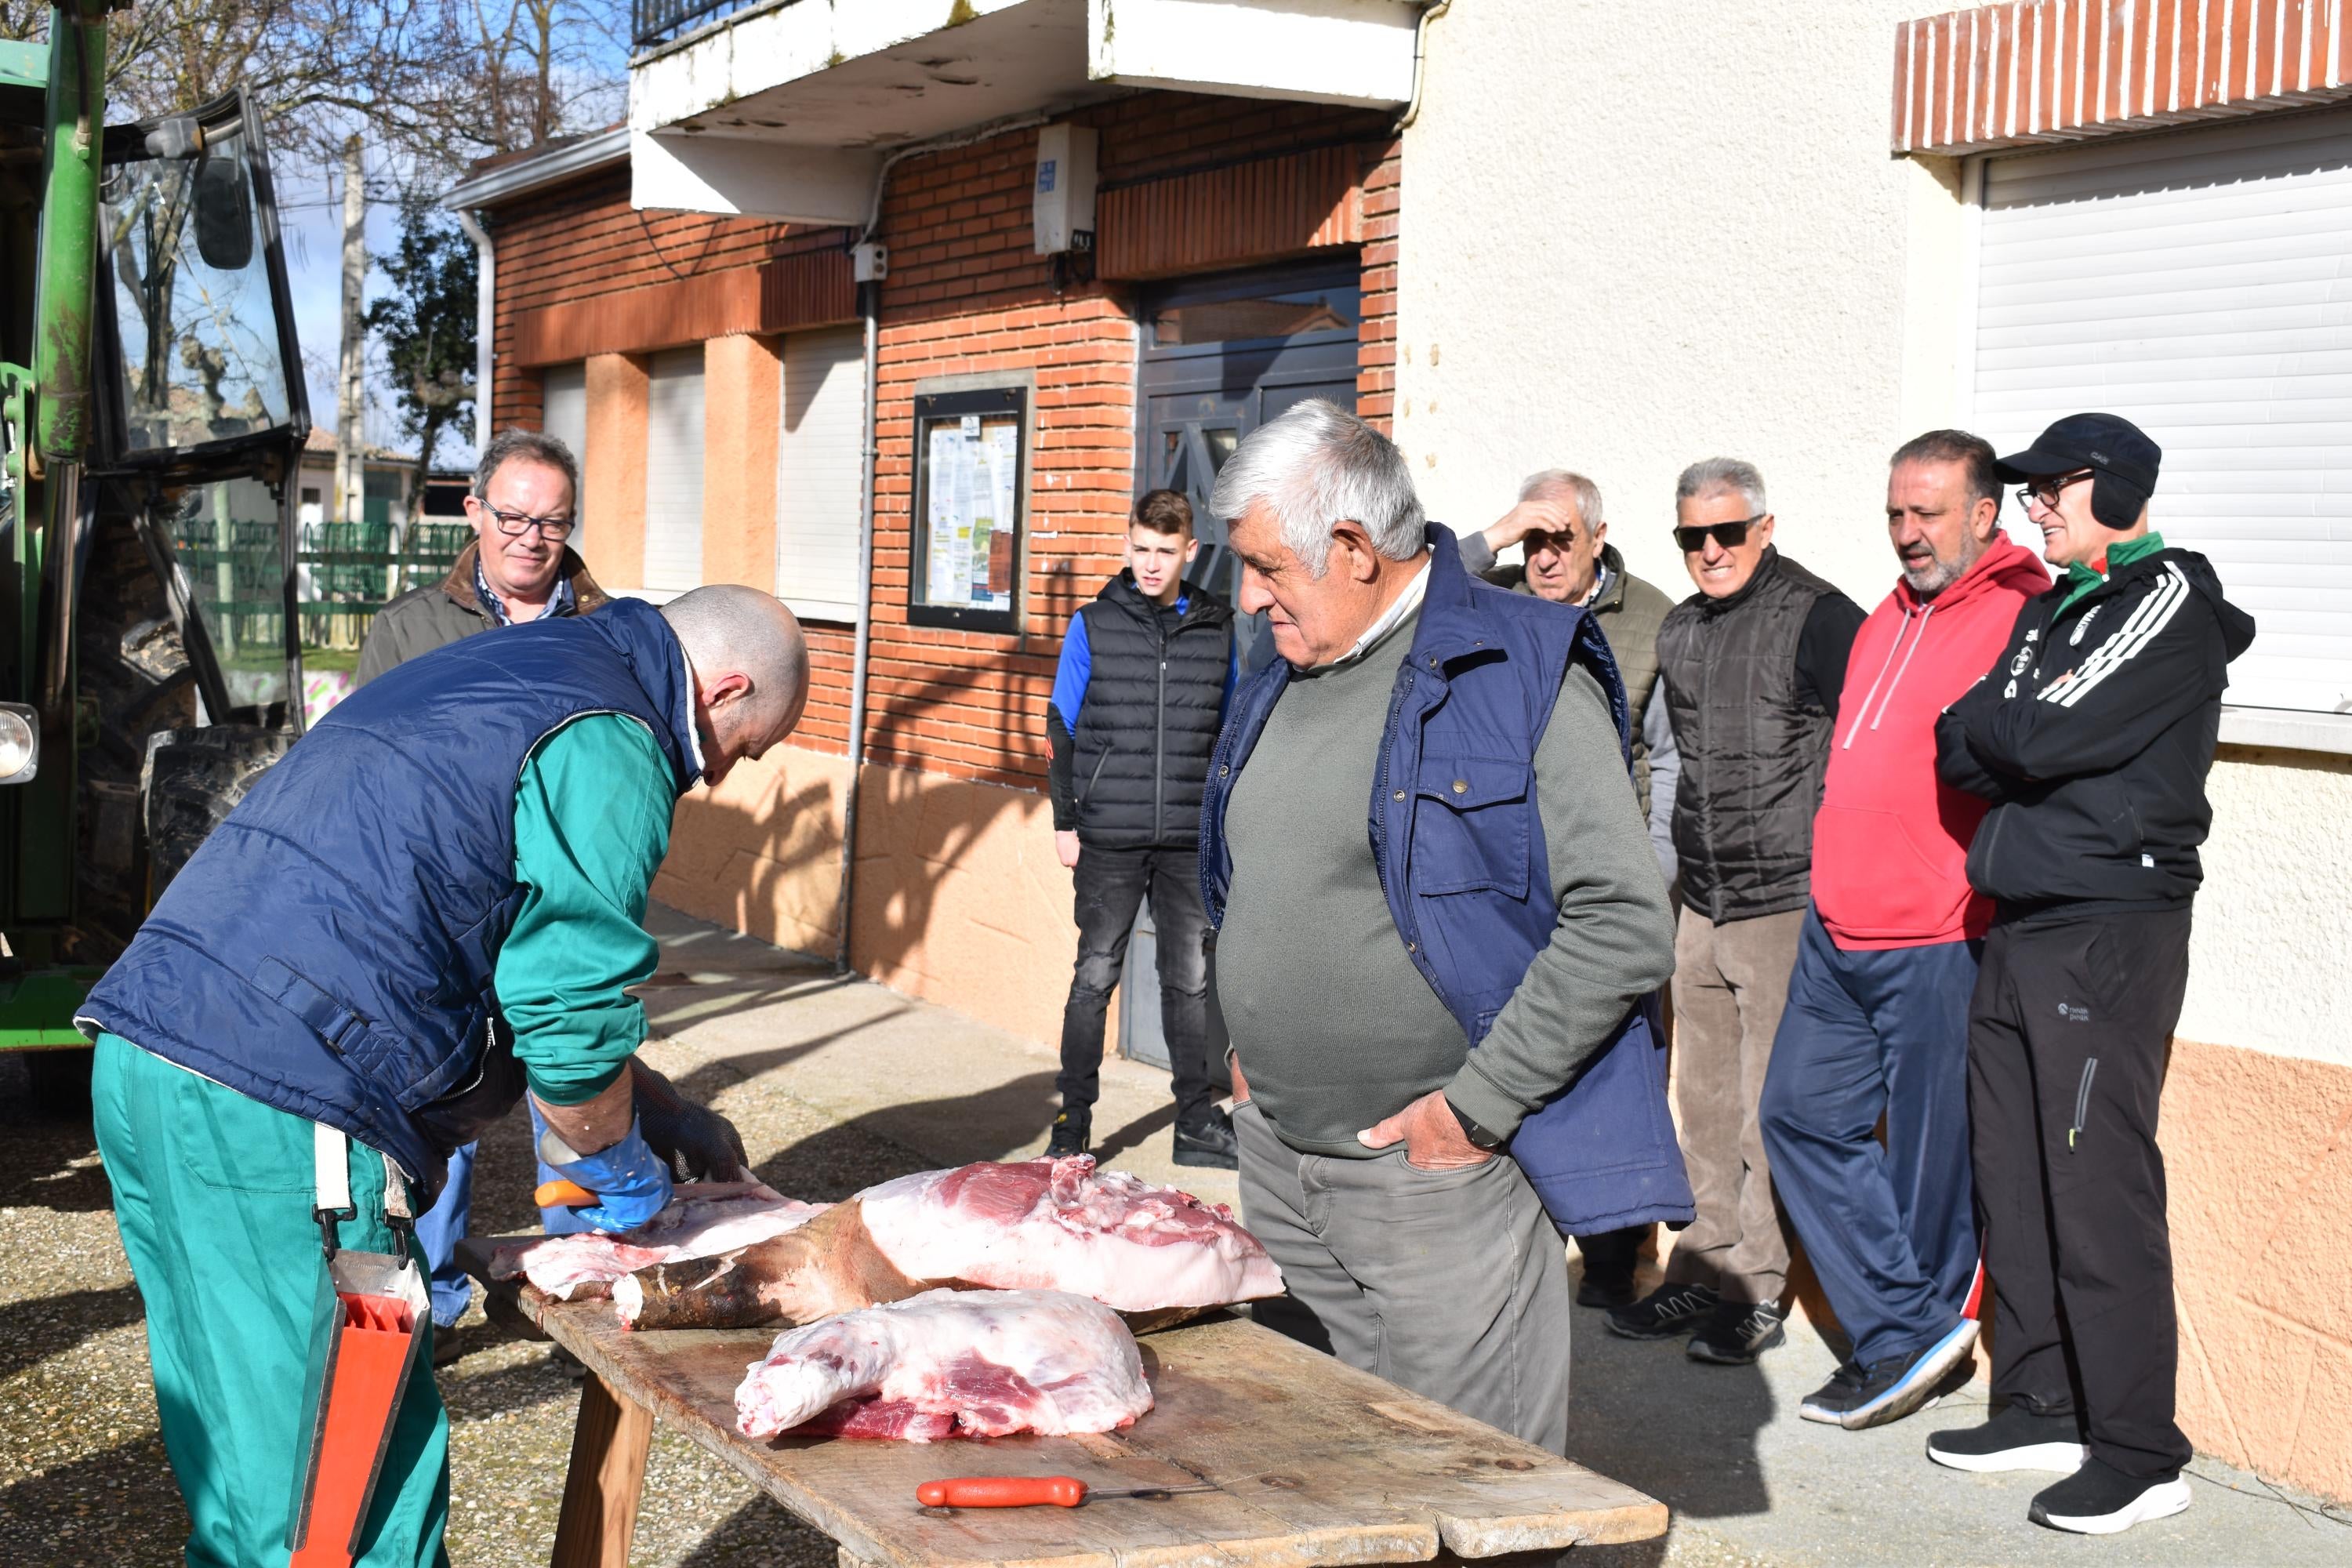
{"points": [[1111, 887], [2068, 1036]]}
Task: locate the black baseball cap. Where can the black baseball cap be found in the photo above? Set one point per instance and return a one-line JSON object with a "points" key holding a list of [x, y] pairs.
{"points": [[2112, 446]]}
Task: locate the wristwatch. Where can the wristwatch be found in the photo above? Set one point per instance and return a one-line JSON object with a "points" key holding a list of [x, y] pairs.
{"points": [[1479, 1137]]}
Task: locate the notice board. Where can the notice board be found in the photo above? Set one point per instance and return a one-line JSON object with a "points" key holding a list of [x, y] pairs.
{"points": [[970, 452]]}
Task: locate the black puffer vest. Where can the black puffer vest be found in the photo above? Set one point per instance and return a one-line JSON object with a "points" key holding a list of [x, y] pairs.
{"points": [[1753, 756], [1155, 696]]}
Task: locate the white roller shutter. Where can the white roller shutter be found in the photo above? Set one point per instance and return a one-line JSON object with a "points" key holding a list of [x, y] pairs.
{"points": [[817, 487], [2199, 284], [563, 413], [674, 472]]}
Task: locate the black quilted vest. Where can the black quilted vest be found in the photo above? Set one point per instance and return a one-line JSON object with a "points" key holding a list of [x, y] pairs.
{"points": [[1753, 756], [1155, 696]]}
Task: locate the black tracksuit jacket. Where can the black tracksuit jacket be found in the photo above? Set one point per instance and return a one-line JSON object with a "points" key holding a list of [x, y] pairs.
{"points": [[2091, 736]]}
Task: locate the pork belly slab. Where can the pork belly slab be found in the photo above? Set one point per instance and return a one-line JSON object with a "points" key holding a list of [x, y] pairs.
{"points": [[972, 1363]]}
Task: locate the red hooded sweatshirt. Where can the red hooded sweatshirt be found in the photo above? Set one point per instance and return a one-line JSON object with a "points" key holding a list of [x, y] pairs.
{"points": [[1891, 840]]}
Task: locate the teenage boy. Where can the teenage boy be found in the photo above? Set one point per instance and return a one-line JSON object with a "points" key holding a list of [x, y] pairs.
{"points": [[1139, 698], [2091, 737]]}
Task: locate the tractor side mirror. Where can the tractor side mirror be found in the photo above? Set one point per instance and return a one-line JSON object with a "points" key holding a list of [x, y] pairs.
{"points": [[224, 215]]}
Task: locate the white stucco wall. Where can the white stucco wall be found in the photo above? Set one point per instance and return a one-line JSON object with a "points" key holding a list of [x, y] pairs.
{"points": [[1639, 235], [2270, 961]]}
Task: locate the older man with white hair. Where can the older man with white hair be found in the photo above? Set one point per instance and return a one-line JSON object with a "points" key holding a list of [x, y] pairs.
{"points": [[1440, 918]]}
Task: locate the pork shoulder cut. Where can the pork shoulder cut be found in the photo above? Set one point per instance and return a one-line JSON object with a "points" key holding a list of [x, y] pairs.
{"points": [[1044, 1224], [1062, 1225], [974, 1363]]}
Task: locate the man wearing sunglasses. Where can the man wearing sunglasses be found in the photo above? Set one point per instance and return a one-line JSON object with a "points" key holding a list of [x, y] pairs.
{"points": [[1752, 665], [523, 507], [1559, 524], [2091, 737]]}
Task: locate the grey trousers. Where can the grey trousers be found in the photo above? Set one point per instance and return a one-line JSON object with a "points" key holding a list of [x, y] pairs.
{"points": [[1731, 983], [1451, 1284]]}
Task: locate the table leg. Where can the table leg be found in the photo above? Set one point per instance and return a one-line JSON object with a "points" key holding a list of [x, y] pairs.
{"points": [[607, 1475]]}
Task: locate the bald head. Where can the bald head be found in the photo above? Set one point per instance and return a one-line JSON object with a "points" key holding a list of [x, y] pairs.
{"points": [[750, 670]]}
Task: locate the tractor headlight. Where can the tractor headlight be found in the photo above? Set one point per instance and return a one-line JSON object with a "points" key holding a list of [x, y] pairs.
{"points": [[20, 743]]}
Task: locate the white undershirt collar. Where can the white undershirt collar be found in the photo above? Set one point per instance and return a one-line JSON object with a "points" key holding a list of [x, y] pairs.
{"points": [[1403, 605]]}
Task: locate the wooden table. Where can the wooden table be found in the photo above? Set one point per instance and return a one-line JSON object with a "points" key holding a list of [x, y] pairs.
{"points": [[1314, 1462]]}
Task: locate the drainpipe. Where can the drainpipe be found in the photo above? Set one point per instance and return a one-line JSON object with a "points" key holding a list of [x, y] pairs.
{"points": [[862, 643], [486, 284], [1420, 62]]}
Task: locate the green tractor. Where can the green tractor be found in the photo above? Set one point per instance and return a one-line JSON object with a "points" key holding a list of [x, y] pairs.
{"points": [[154, 416]]}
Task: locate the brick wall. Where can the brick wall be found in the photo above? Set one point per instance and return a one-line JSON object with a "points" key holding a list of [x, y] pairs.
{"points": [[965, 294]]}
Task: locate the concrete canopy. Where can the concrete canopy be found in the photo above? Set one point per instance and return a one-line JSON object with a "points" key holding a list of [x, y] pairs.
{"points": [[788, 110]]}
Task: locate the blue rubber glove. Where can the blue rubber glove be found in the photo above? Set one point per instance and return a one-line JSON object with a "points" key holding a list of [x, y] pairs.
{"points": [[631, 1182]]}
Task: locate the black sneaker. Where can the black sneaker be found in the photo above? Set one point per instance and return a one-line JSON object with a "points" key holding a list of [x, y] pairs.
{"points": [[1664, 1312], [1209, 1143], [1889, 1390], [2099, 1500], [1735, 1333], [1071, 1129], [2014, 1440]]}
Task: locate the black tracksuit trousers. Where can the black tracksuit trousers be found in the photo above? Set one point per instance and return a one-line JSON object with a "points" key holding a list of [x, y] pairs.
{"points": [[2069, 1031]]}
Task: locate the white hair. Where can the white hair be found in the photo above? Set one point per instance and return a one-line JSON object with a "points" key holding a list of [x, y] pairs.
{"points": [[1563, 484], [1714, 475], [727, 627], [1316, 466]]}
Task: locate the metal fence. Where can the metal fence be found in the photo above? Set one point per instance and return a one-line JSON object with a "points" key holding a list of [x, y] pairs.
{"points": [[657, 21], [346, 571]]}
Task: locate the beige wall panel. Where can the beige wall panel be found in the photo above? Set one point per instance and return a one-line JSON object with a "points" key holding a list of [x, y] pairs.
{"points": [[762, 853], [613, 470], [742, 392]]}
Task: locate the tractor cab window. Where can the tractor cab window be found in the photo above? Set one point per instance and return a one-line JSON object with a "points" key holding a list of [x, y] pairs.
{"points": [[191, 252]]}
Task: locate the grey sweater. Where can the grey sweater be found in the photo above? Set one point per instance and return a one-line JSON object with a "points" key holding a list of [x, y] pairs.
{"points": [[1334, 1026]]}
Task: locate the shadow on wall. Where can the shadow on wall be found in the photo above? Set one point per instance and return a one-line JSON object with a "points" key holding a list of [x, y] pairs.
{"points": [[959, 899]]}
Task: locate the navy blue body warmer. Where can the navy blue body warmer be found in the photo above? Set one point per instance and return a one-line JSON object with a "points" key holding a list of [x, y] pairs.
{"points": [[330, 948], [1468, 875]]}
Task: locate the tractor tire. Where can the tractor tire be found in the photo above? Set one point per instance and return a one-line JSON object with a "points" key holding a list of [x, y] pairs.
{"points": [[194, 779]]}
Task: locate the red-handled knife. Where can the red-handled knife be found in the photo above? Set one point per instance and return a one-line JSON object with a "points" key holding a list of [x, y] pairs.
{"points": [[1033, 1491]]}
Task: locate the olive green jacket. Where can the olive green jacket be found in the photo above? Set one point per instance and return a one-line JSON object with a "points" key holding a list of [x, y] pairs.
{"points": [[449, 611]]}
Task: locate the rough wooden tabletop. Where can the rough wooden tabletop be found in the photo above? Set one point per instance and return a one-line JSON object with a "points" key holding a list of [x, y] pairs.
{"points": [[1314, 1462]]}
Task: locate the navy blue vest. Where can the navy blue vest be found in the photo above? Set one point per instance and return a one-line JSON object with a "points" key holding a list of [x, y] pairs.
{"points": [[330, 949], [1468, 875]]}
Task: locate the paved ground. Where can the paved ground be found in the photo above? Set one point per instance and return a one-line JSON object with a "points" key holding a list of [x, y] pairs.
{"points": [[838, 1084]]}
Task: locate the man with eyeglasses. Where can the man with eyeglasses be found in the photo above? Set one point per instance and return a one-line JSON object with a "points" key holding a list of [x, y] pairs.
{"points": [[2091, 737], [1752, 665], [523, 507], [1561, 526]]}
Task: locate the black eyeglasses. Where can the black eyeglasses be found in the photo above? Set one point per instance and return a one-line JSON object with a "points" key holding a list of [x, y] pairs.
{"points": [[1730, 535], [515, 524], [2046, 491]]}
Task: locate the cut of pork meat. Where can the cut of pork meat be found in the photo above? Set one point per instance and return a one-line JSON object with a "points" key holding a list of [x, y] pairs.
{"points": [[1061, 1225], [702, 1219], [974, 1363], [827, 1265]]}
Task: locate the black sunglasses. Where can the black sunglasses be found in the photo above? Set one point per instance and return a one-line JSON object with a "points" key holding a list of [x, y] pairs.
{"points": [[1730, 535]]}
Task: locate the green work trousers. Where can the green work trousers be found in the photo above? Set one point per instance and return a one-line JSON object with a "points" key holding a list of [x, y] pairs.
{"points": [[213, 1193]]}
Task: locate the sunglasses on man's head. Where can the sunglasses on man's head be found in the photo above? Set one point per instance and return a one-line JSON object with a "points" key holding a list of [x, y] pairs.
{"points": [[1730, 535]]}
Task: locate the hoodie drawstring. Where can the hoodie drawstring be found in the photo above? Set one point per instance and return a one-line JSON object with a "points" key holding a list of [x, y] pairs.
{"points": [[1904, 666], [1848, 743]]}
